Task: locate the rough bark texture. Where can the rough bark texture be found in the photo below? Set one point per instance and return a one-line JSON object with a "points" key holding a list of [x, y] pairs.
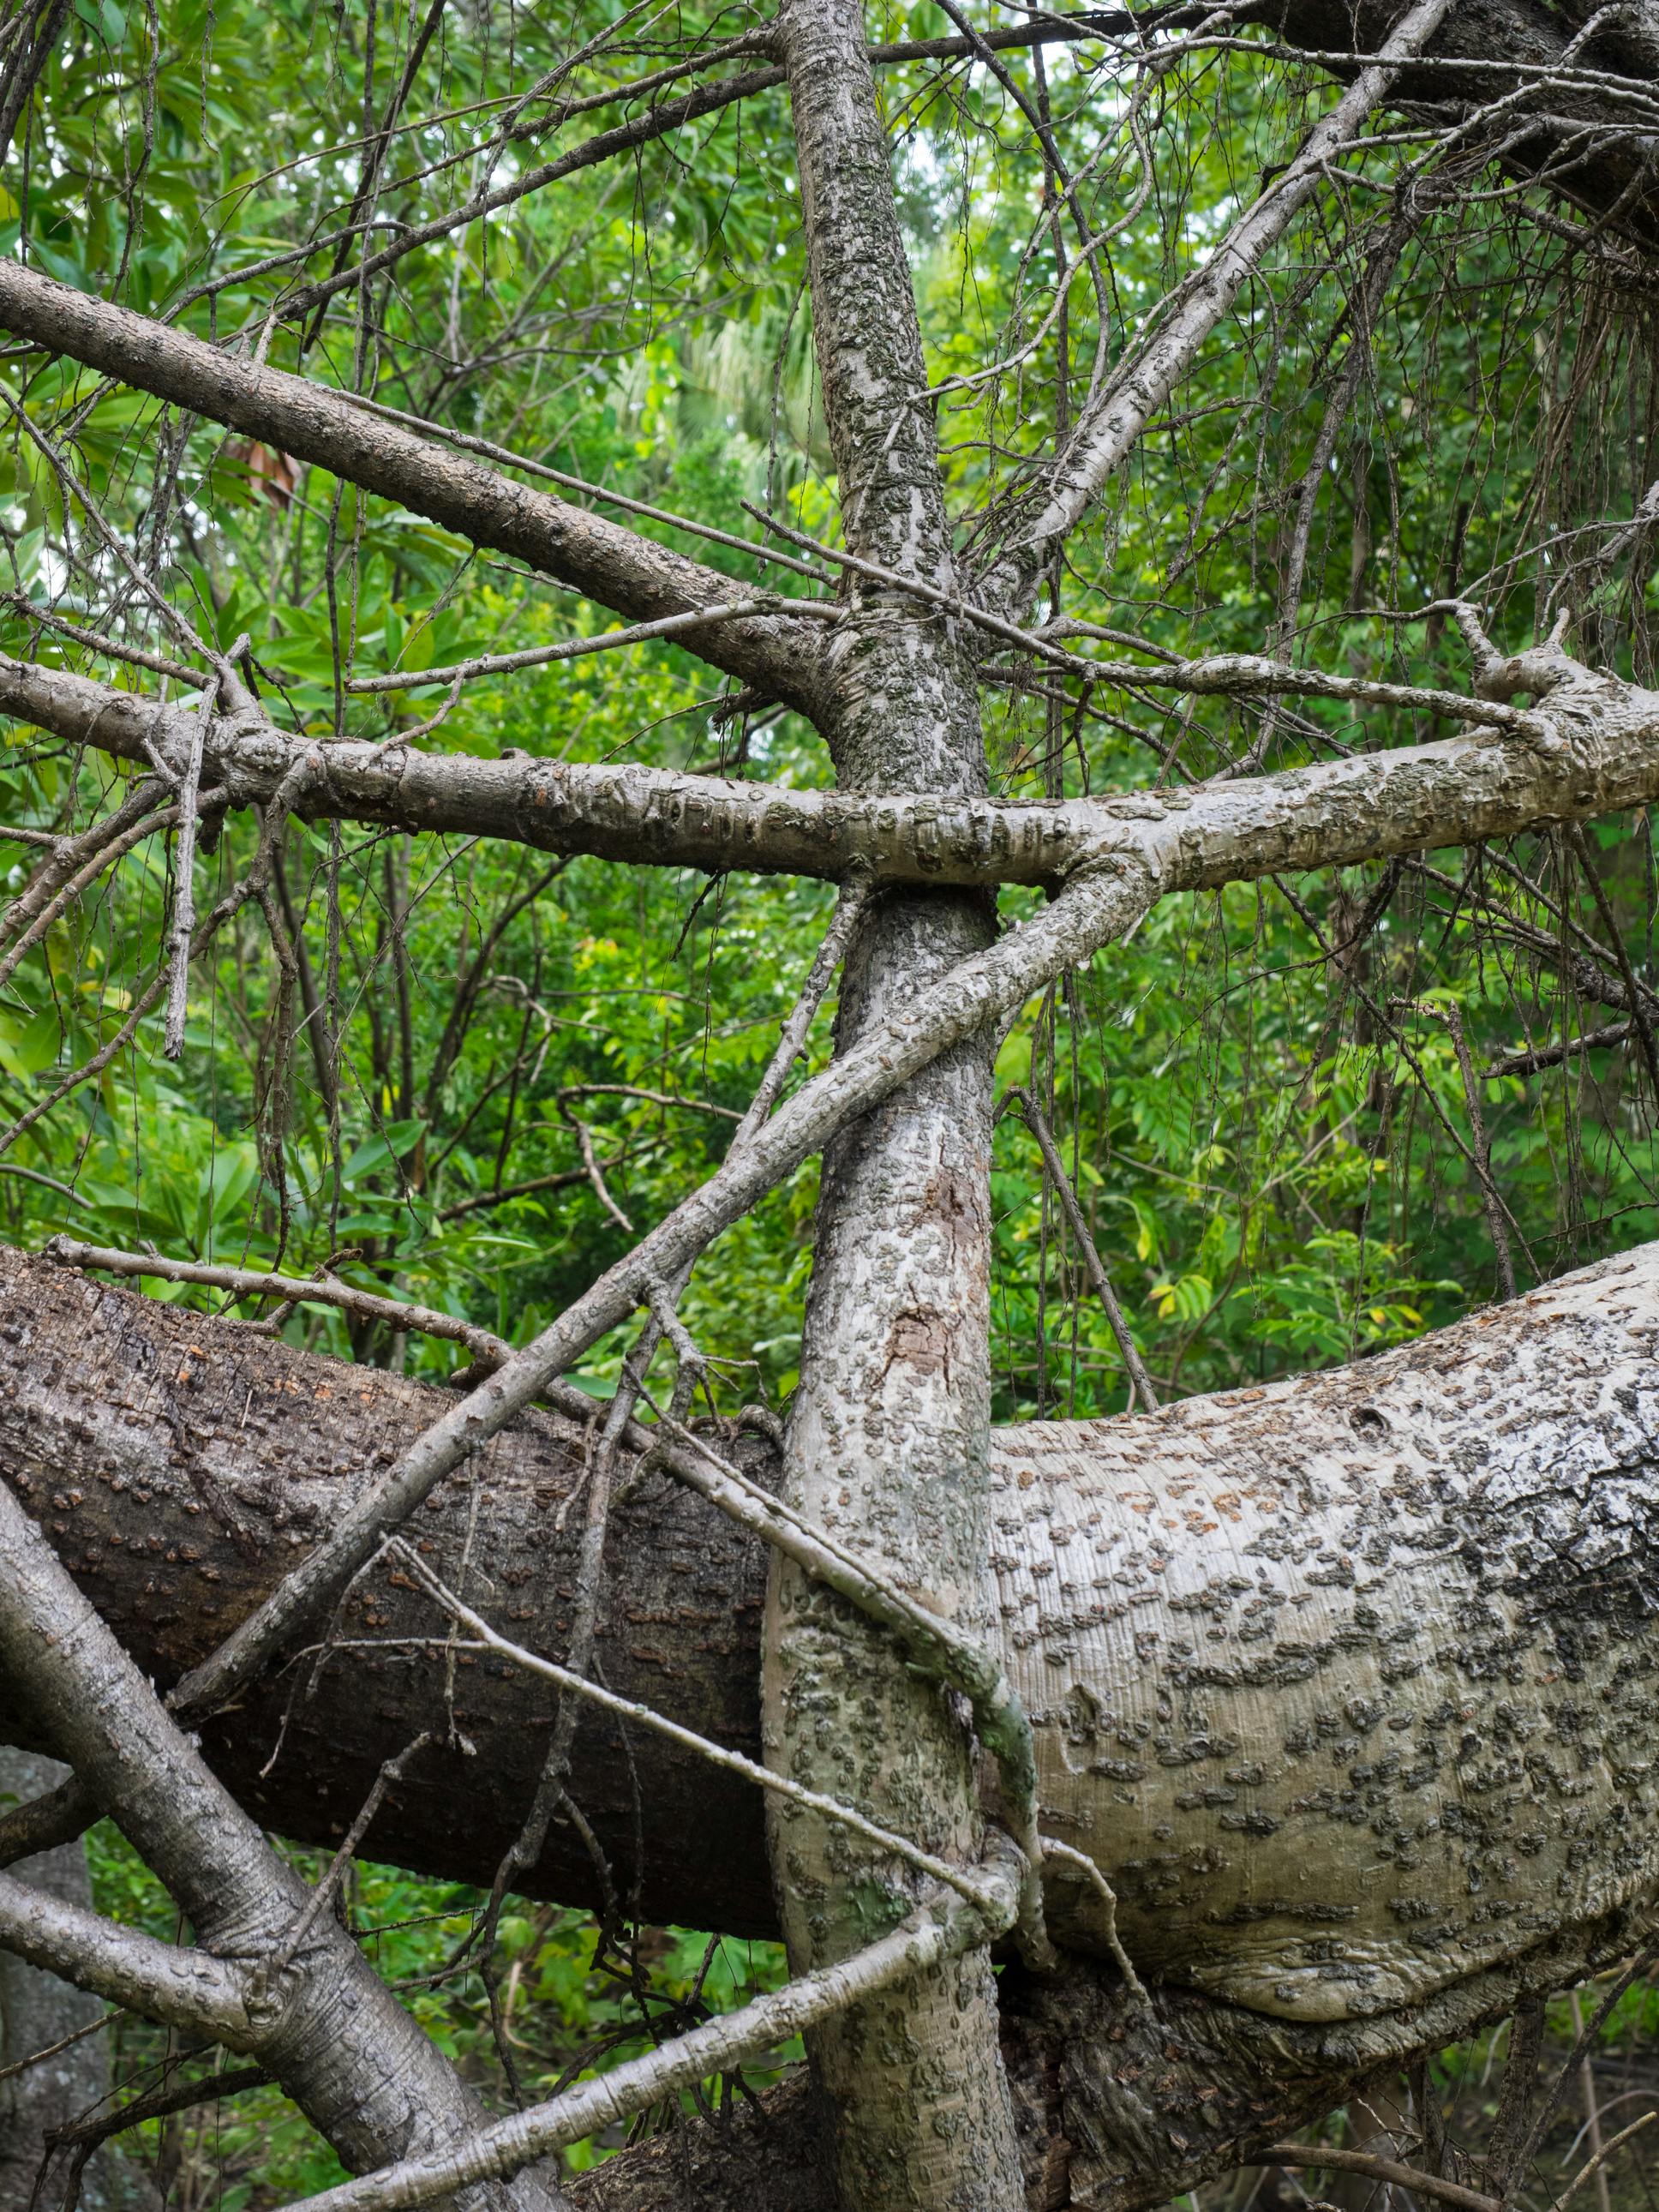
{"points": [[1595, 749], [1346, 1680], [1120, 2105], [180, 1464], [1383, 1542], [889, 1427], [614, 565]]}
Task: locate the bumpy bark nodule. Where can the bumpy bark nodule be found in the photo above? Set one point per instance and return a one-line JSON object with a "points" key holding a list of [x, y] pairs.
{"points": [[889, 1428], [1347, 1680]]}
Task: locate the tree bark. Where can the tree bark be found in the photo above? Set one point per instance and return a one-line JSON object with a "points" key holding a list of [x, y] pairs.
{"points": [[889, 1427], [1591, 747], [276, 1978], [616, 567], [1384, 1541], [1347, 1681]]}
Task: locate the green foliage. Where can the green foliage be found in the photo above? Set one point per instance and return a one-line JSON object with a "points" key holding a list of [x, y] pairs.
{"points": [[574, 2001], [1271, 1140]]}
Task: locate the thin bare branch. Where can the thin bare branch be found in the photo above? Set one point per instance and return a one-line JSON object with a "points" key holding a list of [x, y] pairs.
{"points": [[1139, 1381], [713, 2048], [1108, 430], [319, 1290], [970, 1884], [1379, 2169]]}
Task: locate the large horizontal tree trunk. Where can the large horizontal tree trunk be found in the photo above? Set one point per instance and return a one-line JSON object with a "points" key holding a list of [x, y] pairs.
{"points": [[1347, 1681]]}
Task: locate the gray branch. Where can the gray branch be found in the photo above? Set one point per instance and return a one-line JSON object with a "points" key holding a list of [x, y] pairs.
{"points": [[614, 565], [180, 1988]]}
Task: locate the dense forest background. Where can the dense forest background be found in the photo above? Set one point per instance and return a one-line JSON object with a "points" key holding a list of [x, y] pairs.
{"points": [[469, 1071]]}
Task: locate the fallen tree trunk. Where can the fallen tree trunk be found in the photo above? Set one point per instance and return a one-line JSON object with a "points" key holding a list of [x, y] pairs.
{"points": [[1347, 1682], [1586, 136]]}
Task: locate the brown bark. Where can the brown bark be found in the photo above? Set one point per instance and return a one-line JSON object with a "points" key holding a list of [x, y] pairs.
{"points": [[177, 1462], [180, 1464]]}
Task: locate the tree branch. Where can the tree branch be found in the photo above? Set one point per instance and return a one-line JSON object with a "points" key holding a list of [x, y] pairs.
{"points": [[1379, 2169], [1591, 746], [1041, 516], [180, 1988], [514, 2142], [362, 2069], [611, 565]]}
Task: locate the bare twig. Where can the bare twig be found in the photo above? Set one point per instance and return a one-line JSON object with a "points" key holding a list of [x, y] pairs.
{"points": [[574, 649], [1530, 1059], [714, 2047], [183, 883], [1592, 2108], [1139, 1381], [64, 2043], [1637, 997], [70, 856], [970, 1884], [1379, 2169], [97, 863], [791, 1039], [1480, 1149], [1596, 2165], [1068, 1854], [323, 1290], [328, 1888]]}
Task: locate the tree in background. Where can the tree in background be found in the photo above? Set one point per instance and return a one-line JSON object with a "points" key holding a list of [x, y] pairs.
{"points": [[1117, 545]]}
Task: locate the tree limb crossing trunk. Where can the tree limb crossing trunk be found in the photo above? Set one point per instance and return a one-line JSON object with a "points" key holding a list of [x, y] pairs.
{"points": [[1349, 1688]]}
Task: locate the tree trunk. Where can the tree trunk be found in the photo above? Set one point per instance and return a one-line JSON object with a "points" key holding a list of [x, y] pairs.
{"points": [[889, 1429], [38, 2013], [1347, 1682]]}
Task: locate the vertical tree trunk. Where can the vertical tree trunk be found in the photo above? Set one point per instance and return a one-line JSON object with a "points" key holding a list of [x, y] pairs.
{"points": [[37, 2011], [889, 1434]]}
